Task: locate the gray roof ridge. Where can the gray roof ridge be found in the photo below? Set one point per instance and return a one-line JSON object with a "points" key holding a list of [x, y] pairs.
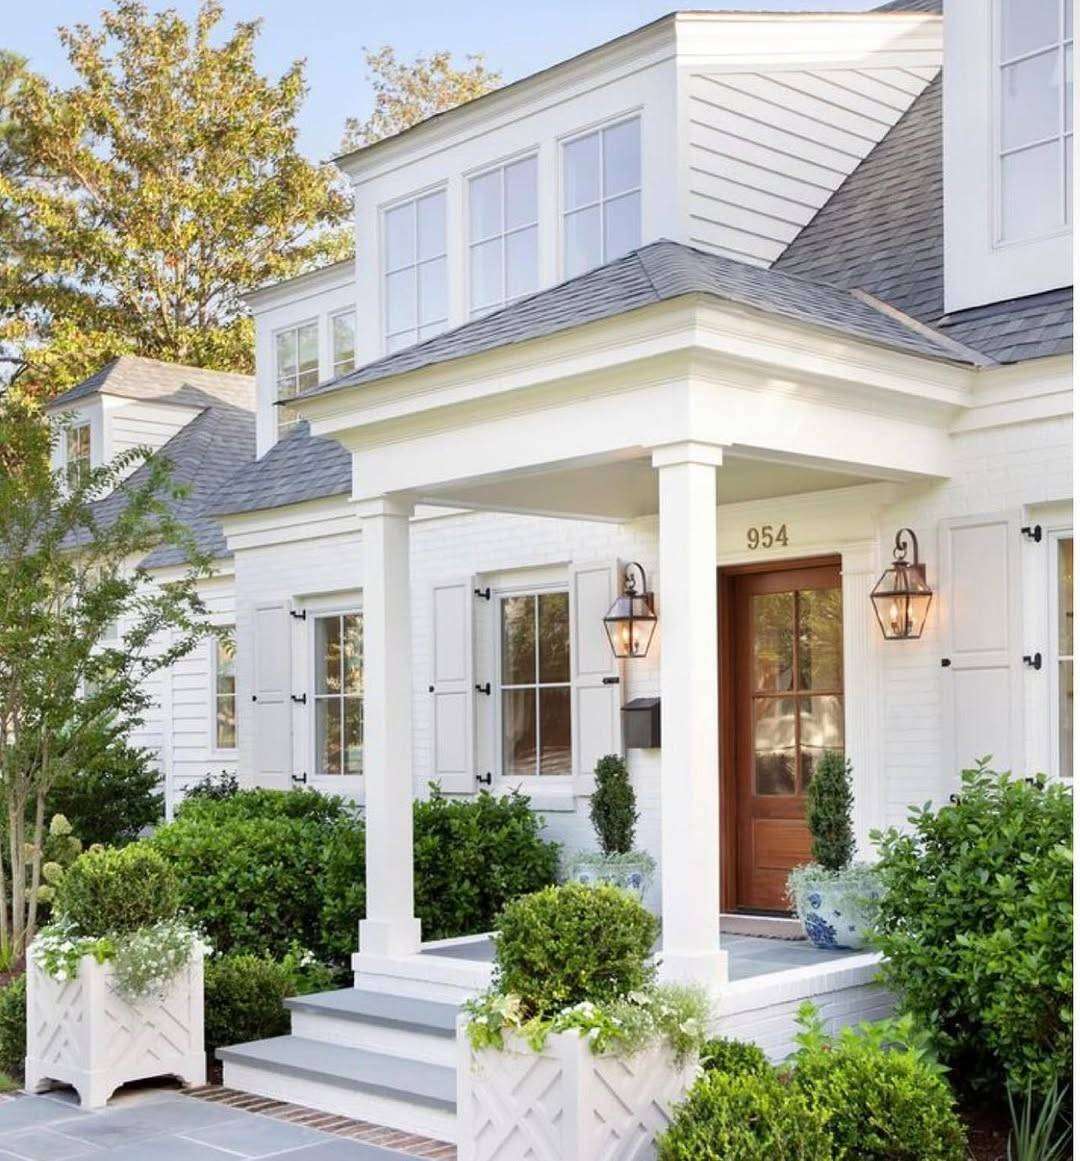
{"points": [[921, 328]]}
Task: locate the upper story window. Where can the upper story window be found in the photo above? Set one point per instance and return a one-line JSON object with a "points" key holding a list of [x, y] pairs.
{"points": [[343, 342], [1035, 61], [503, 235], [77, 452], [296, 358], [601, 196], [414, 265]]}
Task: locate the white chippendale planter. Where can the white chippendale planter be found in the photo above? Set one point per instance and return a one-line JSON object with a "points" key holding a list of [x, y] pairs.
{"points": [[82, 1032], [563, 1103]]}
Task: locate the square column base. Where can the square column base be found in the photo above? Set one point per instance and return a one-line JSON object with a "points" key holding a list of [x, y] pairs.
{"points": [[389, 936], [707, 969]]}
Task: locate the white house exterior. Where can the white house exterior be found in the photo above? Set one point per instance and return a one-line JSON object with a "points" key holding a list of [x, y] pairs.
{"points": [[737, 296]]}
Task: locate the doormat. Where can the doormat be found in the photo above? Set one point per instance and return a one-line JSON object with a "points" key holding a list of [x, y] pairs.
{"points": [[764, 928]]}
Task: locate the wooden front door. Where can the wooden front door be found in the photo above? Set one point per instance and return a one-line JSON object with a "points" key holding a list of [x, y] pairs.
{"points": [[786, 707]]}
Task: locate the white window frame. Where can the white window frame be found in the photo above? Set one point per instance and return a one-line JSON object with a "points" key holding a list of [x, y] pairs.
{"points": [[385, 271], [347, 784], [337, 366], [547, 581], [639, 189], [76, 429], [1054, 538], [281, 425], [500, 168], [1062, 137], [217, 750]]}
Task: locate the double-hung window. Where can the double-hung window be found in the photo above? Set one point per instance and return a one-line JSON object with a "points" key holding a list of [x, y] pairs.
{"points": [[296, 367], [77, 452], [503, 235], [414, 264], [339, 694], [224, 676], [1061, 675], [534, 683], [343, 342], [601, 196], [1034, 63]]}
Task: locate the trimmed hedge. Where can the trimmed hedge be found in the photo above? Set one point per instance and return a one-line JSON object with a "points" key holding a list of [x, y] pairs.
{"points": [[117, 889], [735, 1056], [13, 1026]]}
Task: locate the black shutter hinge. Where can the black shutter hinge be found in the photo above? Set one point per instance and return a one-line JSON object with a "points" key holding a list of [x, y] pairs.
{"points": [[946, 662], [1033, 532], [483, 594], [485, 688], [610, 681], [484, 779], [301, 778], [300, 698], [1033, 660], [300, 615]]}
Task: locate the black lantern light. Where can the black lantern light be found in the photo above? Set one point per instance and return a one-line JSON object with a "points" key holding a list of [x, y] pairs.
{"points": [[902, 597], [631, 622]]}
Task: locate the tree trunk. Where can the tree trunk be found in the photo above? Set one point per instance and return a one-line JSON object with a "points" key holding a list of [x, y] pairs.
{"points": [[35, 865]]}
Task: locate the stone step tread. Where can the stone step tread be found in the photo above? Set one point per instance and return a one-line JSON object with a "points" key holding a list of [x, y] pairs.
{"points": [[433, 1017], [357, 1069]]}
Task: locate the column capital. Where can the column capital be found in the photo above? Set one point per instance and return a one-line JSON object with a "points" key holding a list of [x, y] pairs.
{"points": [[667, 455], [384, 506]]}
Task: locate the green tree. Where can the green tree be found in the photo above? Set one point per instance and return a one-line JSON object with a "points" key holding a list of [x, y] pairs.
{"points": [[82, 626], [150, 193], [408, 93]]}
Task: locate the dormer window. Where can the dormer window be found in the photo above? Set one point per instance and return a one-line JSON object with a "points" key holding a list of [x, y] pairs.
{"points": [[503, 235], [601, 196], [1034, 59], [343, 342], [414, 264], [77, 452], [296, 356]]}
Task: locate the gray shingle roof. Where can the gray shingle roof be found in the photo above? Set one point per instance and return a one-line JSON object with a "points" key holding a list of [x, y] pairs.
{"points": [[882, 231], [134, 377], [298, 467]]}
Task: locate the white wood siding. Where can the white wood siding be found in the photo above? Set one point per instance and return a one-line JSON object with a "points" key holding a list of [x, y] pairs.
{"points": [[143, 423]]}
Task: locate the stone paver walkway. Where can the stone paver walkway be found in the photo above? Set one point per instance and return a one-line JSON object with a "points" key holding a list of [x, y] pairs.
{"points": [[156, 1124]]}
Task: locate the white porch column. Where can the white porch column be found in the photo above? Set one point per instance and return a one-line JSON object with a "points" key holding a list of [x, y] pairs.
{"points": [[689, 756], [390, 927]]}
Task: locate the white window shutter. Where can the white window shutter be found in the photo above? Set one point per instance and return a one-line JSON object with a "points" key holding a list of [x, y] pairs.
{"points": [[595, 675], [271, 689], [982, 667], [451, 688]]}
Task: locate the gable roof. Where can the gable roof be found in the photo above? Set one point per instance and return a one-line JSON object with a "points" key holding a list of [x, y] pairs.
{"points": [[133, 377]]}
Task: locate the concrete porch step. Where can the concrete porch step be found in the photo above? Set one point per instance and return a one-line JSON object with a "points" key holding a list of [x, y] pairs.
{"points": [[405, 1013], [415, 1096]]}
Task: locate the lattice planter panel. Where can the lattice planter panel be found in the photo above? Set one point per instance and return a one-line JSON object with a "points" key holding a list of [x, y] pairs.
{"points": [[82, 1032], [563, 1103]]}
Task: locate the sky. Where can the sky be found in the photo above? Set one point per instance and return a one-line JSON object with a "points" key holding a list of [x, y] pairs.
{"points": [[516, 37]]}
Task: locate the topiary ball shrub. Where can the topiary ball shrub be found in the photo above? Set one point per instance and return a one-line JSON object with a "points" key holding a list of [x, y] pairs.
{"points": [[13, 1026], [976, 925], [565, 945], [734, 1056], [113, 890], [745, 1116], [243, 997], [613, 806]]}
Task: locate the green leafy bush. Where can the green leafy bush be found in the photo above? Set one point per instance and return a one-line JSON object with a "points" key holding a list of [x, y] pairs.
{"points": [[223, 784], [613, 806], [243, 997], [263, 803], [13, 1026], [735, 1056], [116, 890], [882, 1098], [342, 890], [829, 803], [113, 799], [745, 1116], [976, 924], [566, 945]]}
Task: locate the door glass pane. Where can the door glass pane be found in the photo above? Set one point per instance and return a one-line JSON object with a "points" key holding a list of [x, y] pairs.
{"points": [[622, 158], [518, 640], [622, 226], [519, 732], [431, 226], [400, 237], [353, 640], [522, 273], [1065, 719], [1028, 24], [1065, 597], [328, 655], [581, 172], [774, 745], [485, 206], [821, 639], [582, 239], [1031, 181], [328, 735], [520, 193], [555, 731], [554, 637], [1031, 99], [353, 749], [821, 728], [485, 275], [773, 624]]}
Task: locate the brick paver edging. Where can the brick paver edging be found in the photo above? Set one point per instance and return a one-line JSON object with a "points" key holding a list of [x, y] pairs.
{"points": [[407, 1143]]}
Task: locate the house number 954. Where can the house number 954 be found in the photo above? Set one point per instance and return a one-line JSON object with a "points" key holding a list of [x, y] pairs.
{"points": [[765, 536]]}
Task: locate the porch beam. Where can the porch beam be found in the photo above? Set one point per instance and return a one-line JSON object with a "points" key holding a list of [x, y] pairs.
{"points": [[689, 757], [390, 928]]}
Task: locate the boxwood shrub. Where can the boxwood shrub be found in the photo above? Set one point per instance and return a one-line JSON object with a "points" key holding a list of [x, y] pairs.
{"points": [[13, 1026], [976, 924], [113, 890], [736, 1056]]}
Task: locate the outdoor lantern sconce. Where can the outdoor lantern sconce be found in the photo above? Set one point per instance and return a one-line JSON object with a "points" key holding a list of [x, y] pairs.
{"points": [[902, 597], [631, 622]]}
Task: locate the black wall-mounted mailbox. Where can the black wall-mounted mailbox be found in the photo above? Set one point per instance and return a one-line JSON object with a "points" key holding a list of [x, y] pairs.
{"points": [[641, 723]]}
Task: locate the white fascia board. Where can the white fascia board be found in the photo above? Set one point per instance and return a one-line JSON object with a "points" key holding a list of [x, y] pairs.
{"points": [[301, 287], [1020, 393], [289, 523], [223, 573]]}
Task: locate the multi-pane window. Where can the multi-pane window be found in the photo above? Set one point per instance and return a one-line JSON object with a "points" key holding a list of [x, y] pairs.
{"points": [[339, 694], [1035, 64], [224, 694], [601, 196], [414, 265], [77, 452], [1063, 673], [534, 681], [503, 262], [343, 342], [296, 364]]}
